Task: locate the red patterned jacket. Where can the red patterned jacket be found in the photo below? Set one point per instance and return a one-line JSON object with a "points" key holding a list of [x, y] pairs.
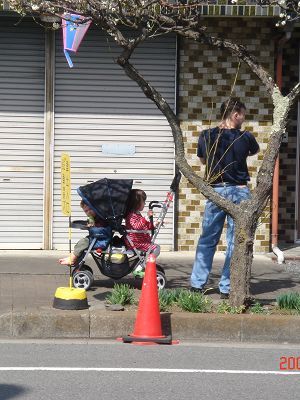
{"points": [[136, 221]]}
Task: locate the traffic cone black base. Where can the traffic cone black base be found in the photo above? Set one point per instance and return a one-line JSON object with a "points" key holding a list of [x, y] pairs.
{"points": [[156, 340]]}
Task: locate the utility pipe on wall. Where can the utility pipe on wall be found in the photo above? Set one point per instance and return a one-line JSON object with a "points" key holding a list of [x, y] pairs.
{"points": [[275, 194]]}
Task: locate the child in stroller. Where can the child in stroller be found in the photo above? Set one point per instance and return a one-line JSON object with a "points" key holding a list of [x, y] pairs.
{"points": [[139, 228], [109, 199], [83, 244]]}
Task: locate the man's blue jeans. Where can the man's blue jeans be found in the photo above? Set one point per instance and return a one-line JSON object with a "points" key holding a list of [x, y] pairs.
{"points": [[212, 226]]}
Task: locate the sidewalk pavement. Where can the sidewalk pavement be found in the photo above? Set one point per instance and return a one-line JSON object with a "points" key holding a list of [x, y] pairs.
{"points": [[28, 280]]}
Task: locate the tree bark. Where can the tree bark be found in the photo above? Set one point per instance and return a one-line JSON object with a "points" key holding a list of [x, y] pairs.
{"points": [[241, 261]]}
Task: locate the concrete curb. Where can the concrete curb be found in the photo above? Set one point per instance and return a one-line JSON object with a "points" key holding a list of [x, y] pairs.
{"points": [[101, 324]]}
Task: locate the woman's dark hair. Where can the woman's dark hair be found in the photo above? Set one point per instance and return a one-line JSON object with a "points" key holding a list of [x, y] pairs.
{"points": [[231, 105], [136, 196]]}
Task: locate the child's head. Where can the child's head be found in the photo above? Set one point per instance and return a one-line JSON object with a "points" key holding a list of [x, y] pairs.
{"points": [[87, 209], [136, 200]]}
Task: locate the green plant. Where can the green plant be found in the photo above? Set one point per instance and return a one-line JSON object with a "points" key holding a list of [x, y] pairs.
{"points": [[121, 294], [168, 297], [257, 308], [194, 302], [225, 308], [289, 301]]}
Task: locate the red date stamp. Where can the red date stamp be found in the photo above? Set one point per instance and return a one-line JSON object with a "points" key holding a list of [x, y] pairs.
{"points": [[289, 363]]}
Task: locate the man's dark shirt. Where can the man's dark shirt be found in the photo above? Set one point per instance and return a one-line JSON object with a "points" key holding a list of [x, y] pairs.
{"points": [[225, 152]]}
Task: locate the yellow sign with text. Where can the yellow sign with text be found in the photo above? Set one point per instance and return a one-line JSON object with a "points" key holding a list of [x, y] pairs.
{"points": [[66, 184]]}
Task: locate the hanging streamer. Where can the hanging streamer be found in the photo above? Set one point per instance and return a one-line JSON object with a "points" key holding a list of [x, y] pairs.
{"points": [[73, 33]]}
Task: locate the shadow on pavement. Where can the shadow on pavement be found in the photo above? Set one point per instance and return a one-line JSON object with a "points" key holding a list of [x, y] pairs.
{"points": [[11, 391], [110, 283], [270, 286], [101, 296]]}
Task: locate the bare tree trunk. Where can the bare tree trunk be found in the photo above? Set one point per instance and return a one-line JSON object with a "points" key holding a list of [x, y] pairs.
{"points": [[241, 261]]}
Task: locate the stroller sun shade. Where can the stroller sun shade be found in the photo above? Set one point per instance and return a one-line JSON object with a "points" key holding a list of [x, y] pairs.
{"points": [[108, 198]]}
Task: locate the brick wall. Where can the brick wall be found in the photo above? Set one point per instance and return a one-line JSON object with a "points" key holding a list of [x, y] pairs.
{"points": [[206, 76], [288, 151]]}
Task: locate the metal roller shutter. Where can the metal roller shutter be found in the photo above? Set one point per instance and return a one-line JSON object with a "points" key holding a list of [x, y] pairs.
{"points": [[21, 134], [95, 105]]}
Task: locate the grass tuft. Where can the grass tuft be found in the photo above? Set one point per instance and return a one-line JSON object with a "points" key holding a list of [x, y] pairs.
{"points": [[194, 302], [225, 308], [121, 294], [257, 308], [289, 301], [167, 298]]}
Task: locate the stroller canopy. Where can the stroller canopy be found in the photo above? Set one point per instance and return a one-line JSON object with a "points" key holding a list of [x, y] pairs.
{"points": [[108, 198]]}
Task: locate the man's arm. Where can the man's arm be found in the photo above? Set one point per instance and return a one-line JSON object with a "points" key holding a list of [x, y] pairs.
{"points": [[201, 150], [254, 146], [255, 151], [253, 154]]}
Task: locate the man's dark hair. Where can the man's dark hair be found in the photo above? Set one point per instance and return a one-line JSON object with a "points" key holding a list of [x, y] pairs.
{"points": [[231, 105]]}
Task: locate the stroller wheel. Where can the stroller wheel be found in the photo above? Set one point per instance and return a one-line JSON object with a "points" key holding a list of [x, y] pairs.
{"points": [[82, 279], [161, 277], [87, 268]]}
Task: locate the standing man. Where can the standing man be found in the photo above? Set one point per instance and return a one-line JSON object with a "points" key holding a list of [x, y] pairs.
{"points": [[224, 151]]}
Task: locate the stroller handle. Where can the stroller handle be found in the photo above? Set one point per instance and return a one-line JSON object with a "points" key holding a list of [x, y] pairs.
{"points": [[176, 181], [154, 204]]}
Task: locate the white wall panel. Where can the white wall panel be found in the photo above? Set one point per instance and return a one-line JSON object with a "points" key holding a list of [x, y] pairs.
{"points": [[21, 134]]}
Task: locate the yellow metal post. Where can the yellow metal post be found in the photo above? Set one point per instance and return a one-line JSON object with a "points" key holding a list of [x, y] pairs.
{"points": [[68, 298], [66, 200]]}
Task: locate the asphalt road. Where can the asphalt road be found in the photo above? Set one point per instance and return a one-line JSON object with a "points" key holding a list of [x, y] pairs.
{"points": [[110, 370]]}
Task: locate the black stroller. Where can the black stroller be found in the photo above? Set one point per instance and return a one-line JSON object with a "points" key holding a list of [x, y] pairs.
{"points": [[108, 198]]}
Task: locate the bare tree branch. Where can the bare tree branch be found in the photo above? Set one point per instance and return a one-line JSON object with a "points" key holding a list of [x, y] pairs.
{"points": [[294, 93], [237, 50]]}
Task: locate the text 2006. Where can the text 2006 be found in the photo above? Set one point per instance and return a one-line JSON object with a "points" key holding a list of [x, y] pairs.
{"points": [[289, 363]]}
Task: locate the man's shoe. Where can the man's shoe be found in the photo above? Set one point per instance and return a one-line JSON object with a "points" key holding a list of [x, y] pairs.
{"points": [[224, 296], [197, 290], [249, 301]]}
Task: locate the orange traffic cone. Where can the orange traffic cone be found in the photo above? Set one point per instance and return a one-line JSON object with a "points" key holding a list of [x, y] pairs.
{"points": [[147, 329]]}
